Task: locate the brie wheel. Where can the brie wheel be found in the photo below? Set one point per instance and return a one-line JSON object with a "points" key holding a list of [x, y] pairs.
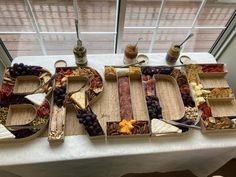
{"points": [[37, 98], [5, 133], [160, 127]]}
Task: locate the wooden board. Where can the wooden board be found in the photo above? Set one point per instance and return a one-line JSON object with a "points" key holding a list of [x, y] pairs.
{"points": [[210, 80], [107, 108], [57, 124], [170, 98], [138, 100], [20, 114], [221, 108], [72, 125]]}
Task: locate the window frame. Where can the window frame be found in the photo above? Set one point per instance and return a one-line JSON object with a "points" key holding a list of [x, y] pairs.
{"points": [[120, 27]]}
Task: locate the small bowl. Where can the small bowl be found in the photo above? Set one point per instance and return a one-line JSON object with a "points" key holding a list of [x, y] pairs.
{"points": [[184, 59], [60, 63], [142, 57]]}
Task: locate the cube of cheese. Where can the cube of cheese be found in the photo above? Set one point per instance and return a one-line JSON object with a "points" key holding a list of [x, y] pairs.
{"points": [[198, 93], [200, 100]]}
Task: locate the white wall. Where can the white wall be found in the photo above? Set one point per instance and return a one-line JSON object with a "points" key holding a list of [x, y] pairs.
{"points": [[229, 57]]}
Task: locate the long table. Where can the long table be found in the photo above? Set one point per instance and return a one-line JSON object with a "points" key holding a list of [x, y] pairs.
{"points": [[80, 156]]}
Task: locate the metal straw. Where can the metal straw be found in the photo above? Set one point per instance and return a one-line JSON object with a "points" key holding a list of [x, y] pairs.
{"points": [[77, 29], [187, 38]]}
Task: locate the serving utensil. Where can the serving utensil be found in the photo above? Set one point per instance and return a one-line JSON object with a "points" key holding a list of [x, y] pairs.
{"points": [[181, 124], [67, 98], [187, 38], [138, 41]]}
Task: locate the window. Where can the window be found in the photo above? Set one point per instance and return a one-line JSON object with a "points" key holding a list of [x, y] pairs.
{"points": [[35, 27]]}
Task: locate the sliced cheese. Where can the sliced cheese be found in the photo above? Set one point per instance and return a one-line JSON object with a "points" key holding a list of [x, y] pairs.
{"points": [[5, 133], [160, 127], [80, 99], [37, 98], [122, 72]]}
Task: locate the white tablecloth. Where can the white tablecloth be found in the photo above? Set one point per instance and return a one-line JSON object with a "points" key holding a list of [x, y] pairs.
{"points": [[80, 156]]}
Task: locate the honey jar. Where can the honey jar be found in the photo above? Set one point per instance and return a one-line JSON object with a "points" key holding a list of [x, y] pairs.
{"points": [[130, 54]]}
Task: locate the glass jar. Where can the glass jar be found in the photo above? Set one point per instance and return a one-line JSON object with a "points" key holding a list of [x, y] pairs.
{"points": [[173, 54], [130, 54], [80, 54]]}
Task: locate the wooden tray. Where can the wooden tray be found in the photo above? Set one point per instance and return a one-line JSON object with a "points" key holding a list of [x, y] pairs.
{"points": [[221, 108], [206, 131], [107, 107], [138, 102], [213, 80], [170, 99], [214, 64], [26, 84], [72, 125], [139, 106], [20, 114], [121, 103], [57, 123]]}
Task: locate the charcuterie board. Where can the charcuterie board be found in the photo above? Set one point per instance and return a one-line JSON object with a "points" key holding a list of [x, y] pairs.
{"points": [[162, 95], [129, 101], [213, 96], [21, 119]]}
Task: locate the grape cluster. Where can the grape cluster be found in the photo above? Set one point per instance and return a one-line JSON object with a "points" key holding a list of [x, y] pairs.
{"points": [[13, 99], [154, 108], [166, 70], [22, 70], [90, 121], [157, 70], [150, 70], [59, 95], [23, 133]]}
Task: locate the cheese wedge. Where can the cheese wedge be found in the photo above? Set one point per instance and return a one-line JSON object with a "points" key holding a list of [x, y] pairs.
{"points": [[160, 127], [37, 98], [79, 98], [5, 134]]}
